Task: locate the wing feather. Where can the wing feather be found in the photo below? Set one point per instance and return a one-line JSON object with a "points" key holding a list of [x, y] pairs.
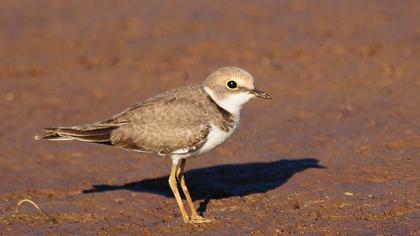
{"points": [[172, 122]]}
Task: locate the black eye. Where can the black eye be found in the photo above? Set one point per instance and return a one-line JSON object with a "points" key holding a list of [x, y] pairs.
{"points": [[231, 84]]}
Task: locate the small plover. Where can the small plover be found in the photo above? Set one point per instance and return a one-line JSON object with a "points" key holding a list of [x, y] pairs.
{"points": [[180, 123]]}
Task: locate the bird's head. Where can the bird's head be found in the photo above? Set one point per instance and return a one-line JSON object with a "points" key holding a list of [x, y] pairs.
{"points": [[231, 87]]}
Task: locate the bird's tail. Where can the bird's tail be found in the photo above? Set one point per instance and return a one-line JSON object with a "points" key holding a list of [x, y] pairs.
{"points": [[87, 133]]}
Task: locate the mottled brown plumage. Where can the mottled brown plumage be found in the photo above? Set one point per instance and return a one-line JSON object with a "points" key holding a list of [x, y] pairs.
{"points": [[177, 119], [173, 120]]}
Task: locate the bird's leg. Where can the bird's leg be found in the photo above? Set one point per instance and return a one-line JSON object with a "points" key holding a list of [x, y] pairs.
{"points": [[174, 186], [195, 218], [181, 180]]}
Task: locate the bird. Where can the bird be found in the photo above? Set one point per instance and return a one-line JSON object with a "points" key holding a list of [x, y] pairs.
{"points": [[180, 124]]}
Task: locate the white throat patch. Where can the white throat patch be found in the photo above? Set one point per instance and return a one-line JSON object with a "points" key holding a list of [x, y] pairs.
{"points": [[232, 103]]}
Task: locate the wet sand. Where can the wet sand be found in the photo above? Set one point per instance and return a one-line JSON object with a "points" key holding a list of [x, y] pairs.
{"points": [[337, 150]]}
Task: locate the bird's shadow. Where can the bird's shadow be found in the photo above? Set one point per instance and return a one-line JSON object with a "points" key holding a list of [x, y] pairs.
{"points": [[222, 181]]}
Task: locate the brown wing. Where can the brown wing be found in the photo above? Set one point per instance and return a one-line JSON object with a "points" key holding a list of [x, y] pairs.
{"points": [[137, 111], [175, 121]]}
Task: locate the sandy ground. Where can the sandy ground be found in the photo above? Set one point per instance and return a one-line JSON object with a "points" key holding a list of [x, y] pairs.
{"points": [[337, 150]]}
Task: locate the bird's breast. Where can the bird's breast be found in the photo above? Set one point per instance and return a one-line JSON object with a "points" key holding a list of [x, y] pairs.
{"points": [[216, 136]]}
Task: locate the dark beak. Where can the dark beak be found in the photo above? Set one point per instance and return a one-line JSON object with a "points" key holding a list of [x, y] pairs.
{"points": [[258, 93]]}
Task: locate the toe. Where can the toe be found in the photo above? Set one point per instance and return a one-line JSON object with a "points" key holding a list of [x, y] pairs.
{"points": [[200, 219]]}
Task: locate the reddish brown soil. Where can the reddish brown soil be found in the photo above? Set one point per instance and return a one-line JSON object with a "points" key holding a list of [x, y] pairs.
{"points": [[345, 82]]}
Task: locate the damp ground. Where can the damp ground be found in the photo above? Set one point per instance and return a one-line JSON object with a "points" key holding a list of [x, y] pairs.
{"points": [[337, 150]]}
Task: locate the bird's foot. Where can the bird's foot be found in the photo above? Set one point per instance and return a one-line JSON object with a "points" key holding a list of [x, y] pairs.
{"points": [[199, 220]]}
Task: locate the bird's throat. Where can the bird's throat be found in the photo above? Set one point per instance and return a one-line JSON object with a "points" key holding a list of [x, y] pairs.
{"points": [[232, 103]]}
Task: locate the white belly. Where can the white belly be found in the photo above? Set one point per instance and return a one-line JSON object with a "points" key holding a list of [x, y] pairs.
{"points": [[215, 137]]}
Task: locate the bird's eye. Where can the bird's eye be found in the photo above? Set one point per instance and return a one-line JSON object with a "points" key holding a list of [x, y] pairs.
{"points": [[231, 84]]}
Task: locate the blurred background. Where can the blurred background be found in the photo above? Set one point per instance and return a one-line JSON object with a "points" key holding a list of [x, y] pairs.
{"points": [[345, 82]]}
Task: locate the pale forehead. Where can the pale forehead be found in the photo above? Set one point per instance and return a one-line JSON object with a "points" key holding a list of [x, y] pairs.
{"points": [[241, 76]]}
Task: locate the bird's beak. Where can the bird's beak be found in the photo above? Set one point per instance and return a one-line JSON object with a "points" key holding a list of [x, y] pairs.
{"points": [[258, 93]]}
